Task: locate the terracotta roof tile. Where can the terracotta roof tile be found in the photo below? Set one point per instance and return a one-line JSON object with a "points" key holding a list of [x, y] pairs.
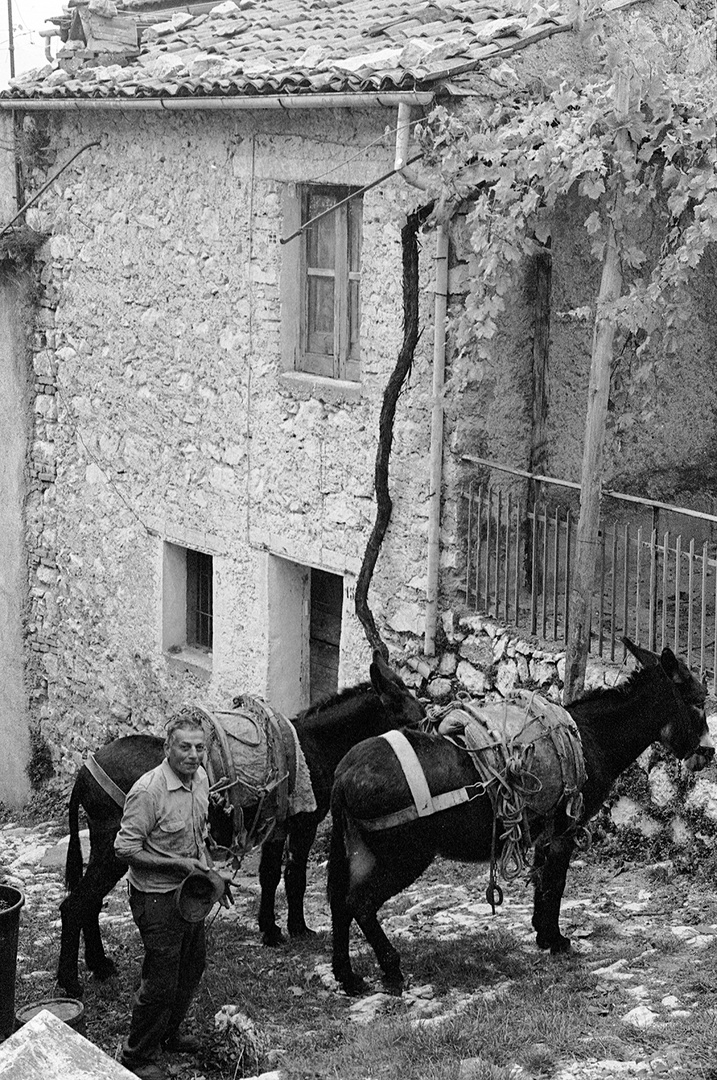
{"points": [[271, 46]]}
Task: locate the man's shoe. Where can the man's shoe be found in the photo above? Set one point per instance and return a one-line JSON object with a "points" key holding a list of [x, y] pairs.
{"points": [[148, 1071], [180, 1044]]}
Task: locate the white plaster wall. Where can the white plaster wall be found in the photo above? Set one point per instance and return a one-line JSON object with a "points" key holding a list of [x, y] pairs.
{"points": [[14, 402]]}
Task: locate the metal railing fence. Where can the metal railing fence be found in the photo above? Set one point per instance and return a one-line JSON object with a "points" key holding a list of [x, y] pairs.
{"points": [[658, 587]]}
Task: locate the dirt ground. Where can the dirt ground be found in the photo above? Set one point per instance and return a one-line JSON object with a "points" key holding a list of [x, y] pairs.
{"points": [[638, 928]]}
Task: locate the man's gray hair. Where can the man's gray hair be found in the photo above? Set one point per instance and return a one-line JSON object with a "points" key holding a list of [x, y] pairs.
{"points": [[186, 719]]}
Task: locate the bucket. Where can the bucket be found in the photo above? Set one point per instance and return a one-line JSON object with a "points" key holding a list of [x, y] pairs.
{"points": [[68, 1009], [11, 900]]}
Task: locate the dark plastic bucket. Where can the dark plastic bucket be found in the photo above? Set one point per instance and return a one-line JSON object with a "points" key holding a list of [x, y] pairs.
{"points": [[11, 900], [68, 1009]]}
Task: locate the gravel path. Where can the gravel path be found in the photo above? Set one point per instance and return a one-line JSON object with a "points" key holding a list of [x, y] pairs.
{"points": [[647, 902]]}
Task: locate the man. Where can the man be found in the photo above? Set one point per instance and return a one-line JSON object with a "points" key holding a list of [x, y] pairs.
{"points": [[162, 838]]}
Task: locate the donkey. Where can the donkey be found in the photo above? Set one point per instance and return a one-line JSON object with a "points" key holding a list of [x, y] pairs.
{"points": [[378, 848], [326, 731]]}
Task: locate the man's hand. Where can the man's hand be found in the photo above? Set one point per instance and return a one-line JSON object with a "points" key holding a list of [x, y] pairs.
{"points": [[188, 866]]}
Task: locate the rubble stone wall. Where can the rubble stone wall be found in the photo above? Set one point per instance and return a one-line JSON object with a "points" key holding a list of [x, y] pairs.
{"points": [[162, 414]]}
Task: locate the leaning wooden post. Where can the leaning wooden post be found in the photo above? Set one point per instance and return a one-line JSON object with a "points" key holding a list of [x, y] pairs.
{"points": [[591, 478]]}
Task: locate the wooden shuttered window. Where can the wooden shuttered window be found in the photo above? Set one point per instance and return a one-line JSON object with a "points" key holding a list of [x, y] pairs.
{"points": [[330, 272]]}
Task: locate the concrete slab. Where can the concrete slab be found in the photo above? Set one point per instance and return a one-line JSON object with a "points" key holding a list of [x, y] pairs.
{"points": [[46, 1048]]}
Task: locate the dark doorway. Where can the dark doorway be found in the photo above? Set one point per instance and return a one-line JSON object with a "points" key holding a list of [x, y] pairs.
{"points": [[325, 633]]}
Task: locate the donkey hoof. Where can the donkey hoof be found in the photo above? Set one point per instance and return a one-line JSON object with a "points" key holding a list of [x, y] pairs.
{"points": [[72, 988], [106, 969], [393, 984], [302, 932], [562, 947], [352, 985], [272, 937]]}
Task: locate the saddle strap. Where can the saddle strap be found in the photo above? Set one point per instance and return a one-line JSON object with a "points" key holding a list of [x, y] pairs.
{"points": [[412, 770], [106, 782], [424, 804], [410, 813], [225, 766]]}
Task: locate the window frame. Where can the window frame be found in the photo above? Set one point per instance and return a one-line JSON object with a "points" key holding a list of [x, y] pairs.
{"points": [[188, 589], [343, 364], [200, 600]]}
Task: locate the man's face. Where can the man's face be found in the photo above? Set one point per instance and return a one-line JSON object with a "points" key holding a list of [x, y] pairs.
{"points": [[185, 751]]}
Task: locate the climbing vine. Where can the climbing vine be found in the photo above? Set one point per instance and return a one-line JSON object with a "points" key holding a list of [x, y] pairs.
{"points": [[650, 157]]}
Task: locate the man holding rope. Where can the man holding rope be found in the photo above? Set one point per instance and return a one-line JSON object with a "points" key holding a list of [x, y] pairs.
{"points": [[162, 838]]}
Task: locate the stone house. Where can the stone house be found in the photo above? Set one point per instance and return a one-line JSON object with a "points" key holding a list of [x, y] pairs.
{"points": [[193, 417]]}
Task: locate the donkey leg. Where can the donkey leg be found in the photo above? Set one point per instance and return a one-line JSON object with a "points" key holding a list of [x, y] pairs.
{"points": [[272, 852], [388, 957], [302, 833], [79, 913], [100, 880], [338, 883], [67, 973], [550, 869], [341, 920]]}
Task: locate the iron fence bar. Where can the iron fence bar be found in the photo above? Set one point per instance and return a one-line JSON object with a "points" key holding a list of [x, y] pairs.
{"points": [[533, 561], [614, 591], [506, 566], [556, 571], [469, 538], [625, 578], [479, 538], [665, 577], [638, 572], [488, 522], [678, 582], [714, 657], [516, 583], [568, 531], [652, 631], [703, 610], [690, 586], [496, 578], [544, 571]]}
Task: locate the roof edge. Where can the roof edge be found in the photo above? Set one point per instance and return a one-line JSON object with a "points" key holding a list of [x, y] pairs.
{"points": [[230, 104]]}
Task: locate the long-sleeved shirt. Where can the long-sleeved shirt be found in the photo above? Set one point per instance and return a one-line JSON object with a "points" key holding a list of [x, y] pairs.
{"points": [[164, 816]]}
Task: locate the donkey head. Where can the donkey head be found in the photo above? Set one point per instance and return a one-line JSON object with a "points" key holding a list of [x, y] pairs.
{"points": [[688, 735], [401, 706]]}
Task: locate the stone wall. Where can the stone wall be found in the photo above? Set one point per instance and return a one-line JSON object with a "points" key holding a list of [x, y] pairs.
{"points": [[162, 412]]}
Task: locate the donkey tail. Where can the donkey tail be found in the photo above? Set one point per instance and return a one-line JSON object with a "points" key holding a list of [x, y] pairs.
{"points": [[74, 866], [337, 880]]}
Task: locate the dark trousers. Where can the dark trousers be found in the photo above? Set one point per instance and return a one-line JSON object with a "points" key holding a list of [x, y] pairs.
{"points": [[174, 959]]}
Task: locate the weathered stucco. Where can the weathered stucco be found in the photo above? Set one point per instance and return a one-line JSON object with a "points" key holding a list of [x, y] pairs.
{"points": [[15, 399]]}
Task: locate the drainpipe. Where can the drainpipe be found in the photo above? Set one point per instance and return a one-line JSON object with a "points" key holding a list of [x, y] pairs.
{"points": [[403, 133], [247, 103]]}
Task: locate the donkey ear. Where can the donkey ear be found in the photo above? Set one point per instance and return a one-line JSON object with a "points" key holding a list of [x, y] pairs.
{"points": [[384, 679], [643, 656], [670, 664]]}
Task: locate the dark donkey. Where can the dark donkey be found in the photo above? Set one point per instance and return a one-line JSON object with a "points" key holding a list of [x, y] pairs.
{"points": [[326, 731], [662, 702]]}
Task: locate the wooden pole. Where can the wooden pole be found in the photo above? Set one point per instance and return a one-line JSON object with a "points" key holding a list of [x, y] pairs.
{"points": [[591, 478], [10, 39]]}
